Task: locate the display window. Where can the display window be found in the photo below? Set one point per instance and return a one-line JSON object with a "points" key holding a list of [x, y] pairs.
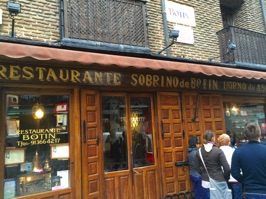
{"points": [[142, 138], [125, 123], [114, 133], [36, 144], [237, 115]]}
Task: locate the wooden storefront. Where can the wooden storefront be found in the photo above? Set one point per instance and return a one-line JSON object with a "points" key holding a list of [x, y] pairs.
{"points": [[172, 100]]}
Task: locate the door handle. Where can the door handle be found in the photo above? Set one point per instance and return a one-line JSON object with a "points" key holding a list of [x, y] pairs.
{"points": [[97, 140], [162, 130], [136, 171], [84, 132], [182, 164]]}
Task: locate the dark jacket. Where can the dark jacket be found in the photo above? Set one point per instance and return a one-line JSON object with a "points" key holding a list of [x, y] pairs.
{"points": [[249, 166], [191, 157], [215, 161]]}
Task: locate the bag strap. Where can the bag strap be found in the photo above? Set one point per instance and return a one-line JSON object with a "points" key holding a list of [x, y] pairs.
{"points": [[203, 162]]}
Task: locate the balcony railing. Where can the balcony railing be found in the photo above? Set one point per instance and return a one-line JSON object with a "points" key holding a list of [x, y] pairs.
{"points": [[106, 22], [250, 46]]}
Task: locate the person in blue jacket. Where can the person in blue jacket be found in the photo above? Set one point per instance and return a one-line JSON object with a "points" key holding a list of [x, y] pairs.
{"points": [[249, 164], [194, 175]]}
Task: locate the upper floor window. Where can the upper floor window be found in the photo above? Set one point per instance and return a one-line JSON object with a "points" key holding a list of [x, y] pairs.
{"points": [[227, 16], [120, 22]]}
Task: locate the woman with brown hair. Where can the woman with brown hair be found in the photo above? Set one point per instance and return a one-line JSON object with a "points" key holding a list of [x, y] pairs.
{"points": [[212, 165]]}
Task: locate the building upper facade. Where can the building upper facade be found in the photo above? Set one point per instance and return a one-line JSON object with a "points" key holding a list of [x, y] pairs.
{"points": [[206, 27]]}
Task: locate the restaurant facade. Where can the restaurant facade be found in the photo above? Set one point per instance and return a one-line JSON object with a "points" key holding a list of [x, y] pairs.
{"points": [[80, 124]]}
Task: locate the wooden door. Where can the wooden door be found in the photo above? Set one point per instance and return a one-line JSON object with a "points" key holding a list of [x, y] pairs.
{"points": [[192, 114], [173, 143], [127, 121], [211, 106], [90, 136], [182, 115], [146, 184]]}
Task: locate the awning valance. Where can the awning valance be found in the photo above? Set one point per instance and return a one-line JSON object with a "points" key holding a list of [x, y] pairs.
{"points": [[48, 53]]}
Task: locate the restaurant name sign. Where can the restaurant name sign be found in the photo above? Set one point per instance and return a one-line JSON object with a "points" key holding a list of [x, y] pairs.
{"points": [[31, 137], [56, 75]]}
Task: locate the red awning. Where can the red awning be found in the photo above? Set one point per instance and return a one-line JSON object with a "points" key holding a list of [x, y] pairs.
{"points": [[47, 53]]}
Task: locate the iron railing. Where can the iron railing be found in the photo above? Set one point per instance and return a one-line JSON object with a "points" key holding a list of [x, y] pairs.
{"points": [[250, 46], [121, 22]]}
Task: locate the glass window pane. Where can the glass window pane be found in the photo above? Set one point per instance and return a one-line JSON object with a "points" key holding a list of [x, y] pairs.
{"points": [[237, 115], [114, 133], [37, 144], [142, 140]]}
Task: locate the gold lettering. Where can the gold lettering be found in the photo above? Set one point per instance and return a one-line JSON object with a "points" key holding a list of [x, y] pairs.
{"points": [[34, 137], [186, 84], [155, 81], [262, 88], [98, 77], [3, 72], [52, 135], [14, 73], [25, 137], [27, 73], [169, 81], [204, 84], [182, 83], [215, 84], [162, 81], [108, 77], [175, 82], [117, 79], [75, 76], [195, 83], [148, 80], [41, 71], [63, 77], [141, 80], [228, 85], [209, 84], [51, 75], [134, 80], [87, 77]]}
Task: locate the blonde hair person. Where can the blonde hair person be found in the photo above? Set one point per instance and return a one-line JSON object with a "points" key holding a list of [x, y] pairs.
{"points": [[224, 140], [224, 143]]}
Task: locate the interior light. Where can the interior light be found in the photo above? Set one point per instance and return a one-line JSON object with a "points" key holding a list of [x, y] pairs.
{"points": [[234, 108], [134, 119], [38, 111]]}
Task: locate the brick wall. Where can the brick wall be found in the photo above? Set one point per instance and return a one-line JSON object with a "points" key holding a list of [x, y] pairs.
{"points": [[249, 16], [208, 22], [38, 20]]}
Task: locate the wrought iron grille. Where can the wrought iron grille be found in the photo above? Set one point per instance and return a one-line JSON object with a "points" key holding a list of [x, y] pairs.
{"points": [[111, 21], [250, 46]]}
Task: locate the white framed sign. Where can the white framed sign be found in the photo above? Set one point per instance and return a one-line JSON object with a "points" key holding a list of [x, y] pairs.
{"points": [[179, 13], [186, 34], [59, 151], [14, 156]]}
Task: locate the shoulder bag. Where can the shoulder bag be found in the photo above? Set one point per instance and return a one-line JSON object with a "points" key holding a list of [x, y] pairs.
{"points": [[218, 190]]}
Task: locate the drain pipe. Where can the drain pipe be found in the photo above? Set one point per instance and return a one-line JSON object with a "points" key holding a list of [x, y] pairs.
{"points": [[263, 12], [165, 27]]}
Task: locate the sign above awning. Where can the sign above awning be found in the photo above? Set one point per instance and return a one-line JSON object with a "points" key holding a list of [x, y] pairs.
{"points": [[48, 53]]}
